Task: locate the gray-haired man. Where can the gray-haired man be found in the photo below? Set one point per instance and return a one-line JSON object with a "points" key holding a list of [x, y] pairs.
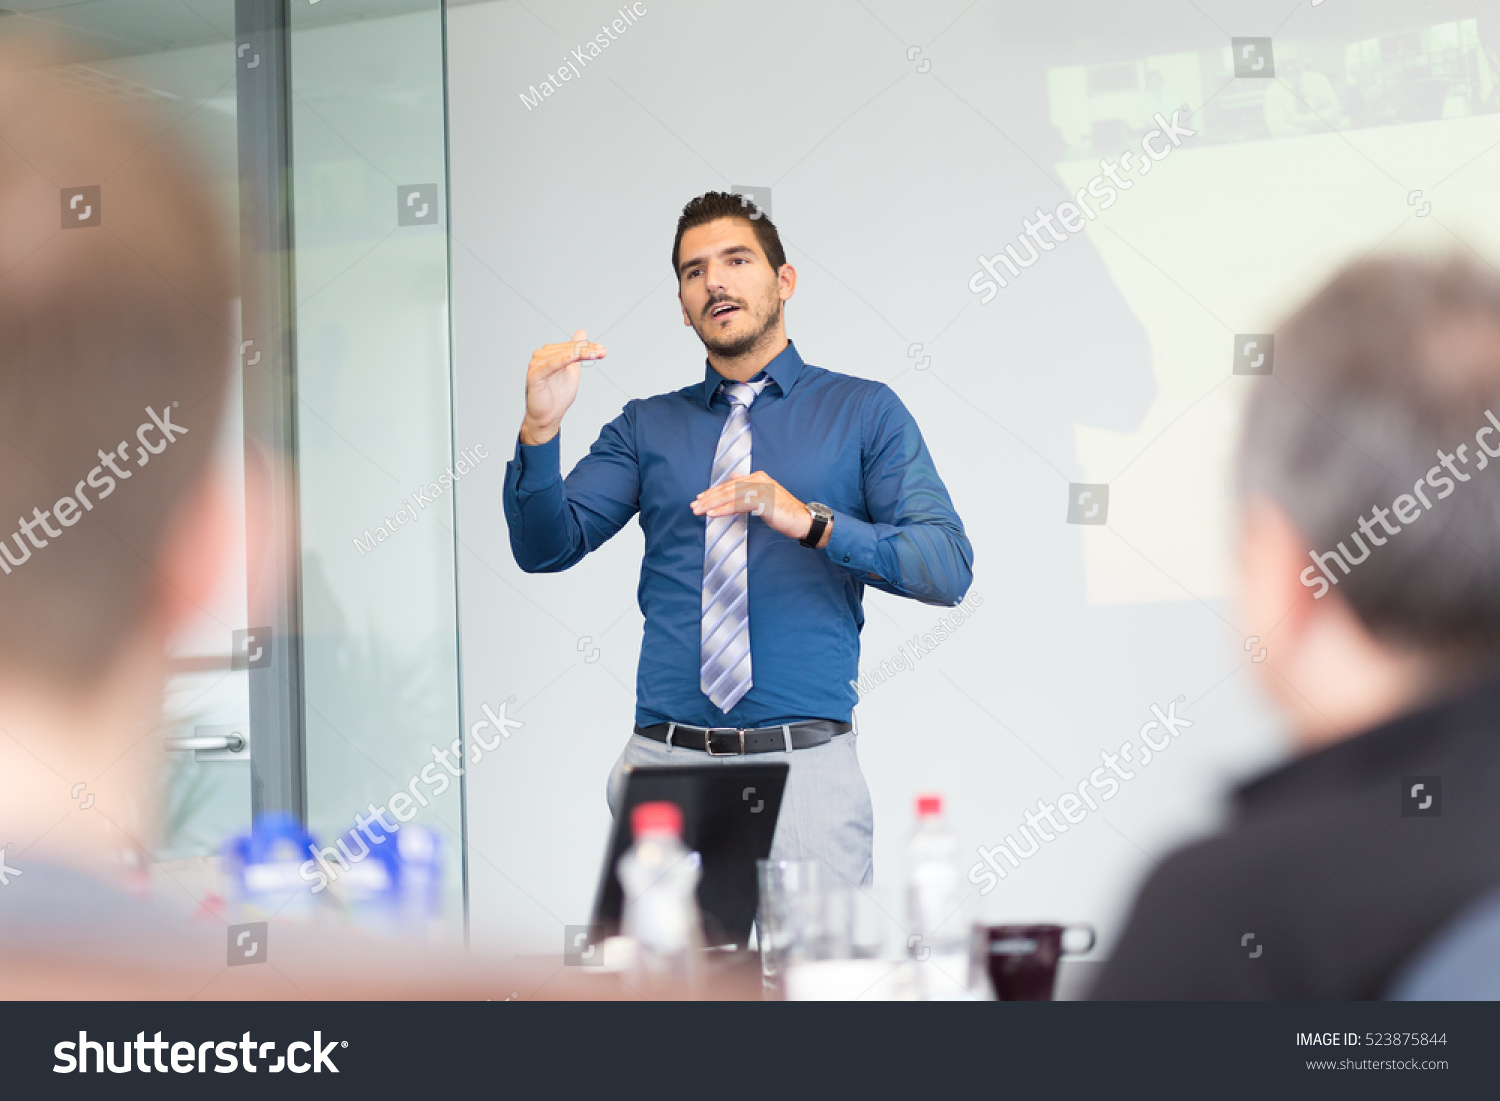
{"points": [[1371, 573]]}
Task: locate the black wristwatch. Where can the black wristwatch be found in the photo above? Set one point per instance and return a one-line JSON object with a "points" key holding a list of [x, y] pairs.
{"points": [[822, 516]]}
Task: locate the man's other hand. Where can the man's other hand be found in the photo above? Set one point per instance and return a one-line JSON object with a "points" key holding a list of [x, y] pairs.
{"points": [[759, 495], [552, 384]]}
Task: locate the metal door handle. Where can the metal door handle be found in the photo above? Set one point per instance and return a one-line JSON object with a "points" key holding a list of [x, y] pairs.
{"points": [[214, 743], [232, 742]]}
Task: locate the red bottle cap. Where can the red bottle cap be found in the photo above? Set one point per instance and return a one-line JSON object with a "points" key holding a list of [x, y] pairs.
{"points": [[929, 804], [656, 818]]}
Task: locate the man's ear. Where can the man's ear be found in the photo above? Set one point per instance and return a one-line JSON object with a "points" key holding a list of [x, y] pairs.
{"points": [[1277, 607], [685, 318], [1328, 674], [787, 277], [195, 552]]}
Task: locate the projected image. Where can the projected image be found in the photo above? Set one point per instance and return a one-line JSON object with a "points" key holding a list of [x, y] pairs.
{"points": [[1288, 159], [1310, 86]]}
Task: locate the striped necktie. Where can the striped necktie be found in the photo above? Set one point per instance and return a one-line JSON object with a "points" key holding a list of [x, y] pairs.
{"points": [[724, 672]]}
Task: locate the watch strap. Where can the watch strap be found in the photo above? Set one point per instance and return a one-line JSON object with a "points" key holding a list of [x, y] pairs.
{"points": [[815, 533]]}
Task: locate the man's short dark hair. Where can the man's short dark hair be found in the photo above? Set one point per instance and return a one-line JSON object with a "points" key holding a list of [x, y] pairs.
{"points": [[107, 332], [1392, 362], [713, 205]]}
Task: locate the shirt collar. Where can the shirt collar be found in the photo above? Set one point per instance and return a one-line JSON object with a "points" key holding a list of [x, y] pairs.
{"points": [[1446, 728], [783, 371]]}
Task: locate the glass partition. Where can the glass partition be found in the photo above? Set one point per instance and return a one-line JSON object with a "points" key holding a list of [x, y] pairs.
{"points": [[376, 455], [370, 710]]}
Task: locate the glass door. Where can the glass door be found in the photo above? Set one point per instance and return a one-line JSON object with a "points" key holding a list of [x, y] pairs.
{"points": [[317, 692]]}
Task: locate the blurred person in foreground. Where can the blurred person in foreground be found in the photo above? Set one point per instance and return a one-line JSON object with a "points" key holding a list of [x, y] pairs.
{"points": [[116, 340], [1370, 570]]}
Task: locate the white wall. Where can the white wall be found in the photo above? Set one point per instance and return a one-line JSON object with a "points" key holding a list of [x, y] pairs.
{"points": [[1109, 361]]}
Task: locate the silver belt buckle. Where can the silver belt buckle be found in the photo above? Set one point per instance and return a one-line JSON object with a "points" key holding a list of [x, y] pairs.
{"points": [[708, 740]]}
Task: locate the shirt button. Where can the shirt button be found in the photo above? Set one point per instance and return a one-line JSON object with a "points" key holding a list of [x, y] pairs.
{"points": [[846, 558]]}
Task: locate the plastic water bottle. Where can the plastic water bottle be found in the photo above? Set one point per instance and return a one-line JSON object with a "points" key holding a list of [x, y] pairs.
{"points": [[397, 889], [660, 880], [938, 914], [260, 868], [421, 853]]}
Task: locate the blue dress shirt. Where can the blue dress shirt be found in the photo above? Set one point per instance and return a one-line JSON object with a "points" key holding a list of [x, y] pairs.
{"points": [[846, 442]]}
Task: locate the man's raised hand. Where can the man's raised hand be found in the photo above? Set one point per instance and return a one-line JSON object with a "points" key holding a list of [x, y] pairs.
{"points": [[552, 384]]}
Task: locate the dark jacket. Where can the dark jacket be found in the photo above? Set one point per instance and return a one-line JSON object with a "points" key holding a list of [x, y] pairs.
{"points": [[1332, 874]]}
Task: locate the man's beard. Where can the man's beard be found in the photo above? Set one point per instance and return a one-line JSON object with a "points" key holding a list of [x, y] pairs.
{"points": [[743, 345]]}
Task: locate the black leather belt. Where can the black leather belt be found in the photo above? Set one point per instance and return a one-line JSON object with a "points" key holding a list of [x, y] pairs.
{"points": [[735, 741]]}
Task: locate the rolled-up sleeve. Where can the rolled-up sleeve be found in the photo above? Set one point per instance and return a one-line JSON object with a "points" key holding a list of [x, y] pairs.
{"points": [[913, 543], [554, 521]]}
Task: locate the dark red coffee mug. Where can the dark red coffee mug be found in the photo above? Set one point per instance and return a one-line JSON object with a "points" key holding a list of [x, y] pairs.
{"points": [[1021, 960]]}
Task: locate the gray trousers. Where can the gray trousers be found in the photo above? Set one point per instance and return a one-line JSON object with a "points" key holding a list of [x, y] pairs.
{"points": [[826, 813]]}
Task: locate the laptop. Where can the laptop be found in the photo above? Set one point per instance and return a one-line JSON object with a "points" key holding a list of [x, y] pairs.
{"points": [[728, 816]]}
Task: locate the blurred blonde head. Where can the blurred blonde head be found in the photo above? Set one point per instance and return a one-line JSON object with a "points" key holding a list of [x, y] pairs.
{"points": [[98, 323]]}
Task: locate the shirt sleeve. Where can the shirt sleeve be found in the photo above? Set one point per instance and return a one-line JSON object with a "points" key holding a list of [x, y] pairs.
{"points": [[913, 543], [554, 521]]}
